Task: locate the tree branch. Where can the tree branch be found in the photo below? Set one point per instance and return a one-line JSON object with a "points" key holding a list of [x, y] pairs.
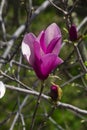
{"points": [[59, 104]]}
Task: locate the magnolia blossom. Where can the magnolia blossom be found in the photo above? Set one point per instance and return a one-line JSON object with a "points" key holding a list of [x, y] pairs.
{"points": [[42, 51]]}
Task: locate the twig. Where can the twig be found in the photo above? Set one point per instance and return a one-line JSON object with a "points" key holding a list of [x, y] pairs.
{"points": [[26, 91], [74, 78], [36, 107], [59, 104], [70, 11], [57, 7], [2, 43], [18, 113], [1, 19], [80, 59], [23, 122], [72, 108], [56, 124], [11, 42], [22, 28], [28, 8], [84, 83], [21, 65], [84, 21], [47, 116], [14, 37], [14, 79], [1, 7], [43, 6], [7, 118]]}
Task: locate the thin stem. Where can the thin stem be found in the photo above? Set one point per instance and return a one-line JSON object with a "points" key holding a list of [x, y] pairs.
{"points": [[80, 59], [14, 79], [18, 112], [23, 122], [74, 78], [63, 11], [74, 5], [47, 116], [59, 127], [21, 65], [37, 104]]}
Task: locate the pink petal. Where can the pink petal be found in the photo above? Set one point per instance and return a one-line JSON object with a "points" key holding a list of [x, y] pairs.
{"points": [[54, 46], [28, 47], [40, 39], [45, 65], [37, 62], [42, 43], [40, 35], [37, 50], [57, 47], [49, 62], [37, 69], [52, 32]]}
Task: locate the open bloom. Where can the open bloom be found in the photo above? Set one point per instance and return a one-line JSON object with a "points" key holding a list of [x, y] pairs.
{"points": [[42, 52]]}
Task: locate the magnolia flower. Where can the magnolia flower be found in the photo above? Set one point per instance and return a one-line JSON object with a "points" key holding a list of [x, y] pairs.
{"points": [[2, 89], [42, 51], [73, 33]]}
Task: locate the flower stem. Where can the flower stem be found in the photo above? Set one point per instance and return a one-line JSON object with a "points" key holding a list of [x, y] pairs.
{"points": [[36, 107]]}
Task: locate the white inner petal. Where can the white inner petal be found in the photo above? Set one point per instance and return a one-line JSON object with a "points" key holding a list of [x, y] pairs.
{"points": [[2, 89], [26, 50]]}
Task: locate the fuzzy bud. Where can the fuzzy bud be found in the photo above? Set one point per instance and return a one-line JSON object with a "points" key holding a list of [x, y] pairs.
{"points": [[55, 92]]}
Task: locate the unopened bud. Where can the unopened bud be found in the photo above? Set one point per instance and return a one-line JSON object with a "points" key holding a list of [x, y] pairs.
{"points": [[55, 92], [73, 33]]}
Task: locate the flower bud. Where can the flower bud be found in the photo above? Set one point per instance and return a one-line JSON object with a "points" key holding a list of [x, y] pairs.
{"points": [[73, 33], [55, 92]]}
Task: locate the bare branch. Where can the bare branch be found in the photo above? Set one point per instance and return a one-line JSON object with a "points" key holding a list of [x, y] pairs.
{"points": [[84, 22], [22, 28], [18, 112], [1, 19], [72, 108], [59, 104], [72, 79], [57, 7]]}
